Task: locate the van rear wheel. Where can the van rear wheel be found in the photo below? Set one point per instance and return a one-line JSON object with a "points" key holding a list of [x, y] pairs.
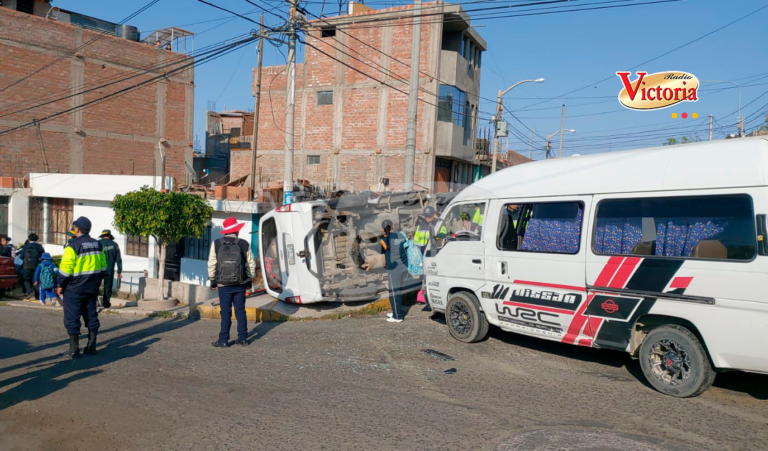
{"points": [[464, 319], [675, 363]]}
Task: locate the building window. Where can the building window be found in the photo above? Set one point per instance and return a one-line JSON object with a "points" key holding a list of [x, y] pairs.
{"points": [[198, 248], [25, 6], [450, 105], [325, 97], [60, 219], [50, 219], [313, 160], [552, 228], [328, 32], [137, 245], [703, 227]]}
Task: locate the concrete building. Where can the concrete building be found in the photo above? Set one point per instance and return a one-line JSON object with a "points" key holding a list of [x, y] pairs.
{"points": [[117, 136], [352, 102]]}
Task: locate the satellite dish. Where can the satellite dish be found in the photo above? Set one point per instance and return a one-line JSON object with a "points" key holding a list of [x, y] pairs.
{"points": [[191, 171]]}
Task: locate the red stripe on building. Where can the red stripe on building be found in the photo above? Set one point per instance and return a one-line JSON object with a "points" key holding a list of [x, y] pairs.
{"points": [[681, 282], [550, 285], [539, 307], [626, 270]]}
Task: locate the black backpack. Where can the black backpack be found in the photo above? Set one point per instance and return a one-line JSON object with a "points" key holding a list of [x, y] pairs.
{"points": [[32, 256], [230, 268]]}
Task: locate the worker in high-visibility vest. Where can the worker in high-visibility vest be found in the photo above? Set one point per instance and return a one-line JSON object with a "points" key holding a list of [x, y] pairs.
{"points": [[80, 273], [425, 228]]}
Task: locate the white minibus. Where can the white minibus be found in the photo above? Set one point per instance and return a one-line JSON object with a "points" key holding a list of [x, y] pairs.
{"points": [[658, 252]]}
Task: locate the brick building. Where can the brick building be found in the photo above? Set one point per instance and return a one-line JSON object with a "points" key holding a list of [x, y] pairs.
{"points": [[352, 102], [118, 136]]}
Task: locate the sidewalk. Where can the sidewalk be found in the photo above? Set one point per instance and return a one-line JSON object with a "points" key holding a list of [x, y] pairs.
{"points": [[259, 307]]}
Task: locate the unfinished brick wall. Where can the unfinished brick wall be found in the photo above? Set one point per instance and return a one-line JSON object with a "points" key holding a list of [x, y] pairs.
{"points": [[118, 136], [356, 141]]}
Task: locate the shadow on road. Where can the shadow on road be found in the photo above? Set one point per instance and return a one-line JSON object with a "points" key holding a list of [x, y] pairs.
{"points": [[754, 385], [258, 332], [61, 372]]}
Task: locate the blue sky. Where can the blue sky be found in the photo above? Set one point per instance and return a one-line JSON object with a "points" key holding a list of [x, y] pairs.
{"points": [[570, 50]]}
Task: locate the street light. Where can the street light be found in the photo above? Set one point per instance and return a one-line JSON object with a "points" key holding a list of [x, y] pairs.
{"points": [[741, 119], [497, 119], [549, 146]]}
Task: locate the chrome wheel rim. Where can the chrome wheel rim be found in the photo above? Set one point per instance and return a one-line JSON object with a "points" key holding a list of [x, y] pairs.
{"points": [[670, 362], [461, 318]]}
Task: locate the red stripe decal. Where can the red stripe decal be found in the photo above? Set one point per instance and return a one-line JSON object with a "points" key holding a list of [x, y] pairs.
{"points": [[608, 271], [681, 282], [585, 342], [550, 285], [538, 307], [622, 275], [602, 280], [594, 326]]}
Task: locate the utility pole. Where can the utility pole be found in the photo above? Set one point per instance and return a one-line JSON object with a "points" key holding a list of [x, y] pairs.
{"points": [[289, 111], [498, 121], [413, 99], [530, 145], [257, 97], [710, 127], [562, 122]]}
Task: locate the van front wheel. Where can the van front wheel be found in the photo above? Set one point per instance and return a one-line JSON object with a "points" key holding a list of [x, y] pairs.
{"points": [[465, 320], [675, 363]]}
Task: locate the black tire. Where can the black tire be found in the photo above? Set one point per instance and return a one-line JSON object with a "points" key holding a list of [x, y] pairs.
{"points": [[675, 363], [464, 319]]}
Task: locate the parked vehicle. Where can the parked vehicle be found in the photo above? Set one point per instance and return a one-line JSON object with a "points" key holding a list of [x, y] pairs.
{"points": [[318, 251], [658, 252], [8, 277]]}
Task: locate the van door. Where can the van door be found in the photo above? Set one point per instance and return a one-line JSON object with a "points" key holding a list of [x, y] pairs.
{"points": [[537, 267], [455, 257]]}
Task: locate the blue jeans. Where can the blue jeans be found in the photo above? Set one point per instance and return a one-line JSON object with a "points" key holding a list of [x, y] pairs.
{"points": [[229, 296], [49, 293], [396, 292]]}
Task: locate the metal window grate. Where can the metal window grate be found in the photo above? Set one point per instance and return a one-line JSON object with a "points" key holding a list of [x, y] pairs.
{"points": [[137, 245], [325, 97], [60, 218]]}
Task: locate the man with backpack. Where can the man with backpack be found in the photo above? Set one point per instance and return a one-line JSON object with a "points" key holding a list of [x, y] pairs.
{"points": [[30, 257], [396, 261], [231, 268], [45, 279]]}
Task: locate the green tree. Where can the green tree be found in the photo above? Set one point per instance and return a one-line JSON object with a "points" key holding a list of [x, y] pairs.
{"points": [[166, 217], [683, 140]]}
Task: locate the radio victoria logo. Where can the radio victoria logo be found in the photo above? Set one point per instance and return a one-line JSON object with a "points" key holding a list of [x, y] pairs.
{"points": [[659, 90]]}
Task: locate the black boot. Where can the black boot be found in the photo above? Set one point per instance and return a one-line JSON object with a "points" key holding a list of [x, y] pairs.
{"points": [[74, 347], [90, 348]]}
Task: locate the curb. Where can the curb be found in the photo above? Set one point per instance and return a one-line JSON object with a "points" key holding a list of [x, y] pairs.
{"points": [[268, 313], [36, 305]]}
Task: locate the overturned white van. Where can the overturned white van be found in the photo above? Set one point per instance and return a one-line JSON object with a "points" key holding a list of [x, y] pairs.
{"points": [[658, 252], [328, 250]]}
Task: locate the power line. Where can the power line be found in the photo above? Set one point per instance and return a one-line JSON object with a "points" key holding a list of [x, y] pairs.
{"points": [[82, 46]]}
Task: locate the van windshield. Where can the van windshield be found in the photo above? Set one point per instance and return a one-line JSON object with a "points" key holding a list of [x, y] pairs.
{"points": [[271, 260]]}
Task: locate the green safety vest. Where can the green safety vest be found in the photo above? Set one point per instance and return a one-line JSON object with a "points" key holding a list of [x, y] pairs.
{"points": [[421, 237], [478, 217]]}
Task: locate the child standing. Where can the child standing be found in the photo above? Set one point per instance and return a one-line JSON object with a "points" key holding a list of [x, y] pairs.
{"points": [[45, 278]]}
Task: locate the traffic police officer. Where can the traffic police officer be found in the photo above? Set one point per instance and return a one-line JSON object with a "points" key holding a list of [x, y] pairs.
{"points": [[80, 274], [112, 256], [424, 228]]}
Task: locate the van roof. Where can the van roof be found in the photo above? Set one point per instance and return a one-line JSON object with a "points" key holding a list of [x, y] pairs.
{"points": [[727, 163]]}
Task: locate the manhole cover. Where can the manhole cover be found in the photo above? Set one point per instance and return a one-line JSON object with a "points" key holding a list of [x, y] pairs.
{"points": [[593, 440]]}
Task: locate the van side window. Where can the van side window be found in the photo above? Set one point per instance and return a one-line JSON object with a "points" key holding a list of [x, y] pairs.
{"points": [[553, 227], [462, 223], [708, 227]]}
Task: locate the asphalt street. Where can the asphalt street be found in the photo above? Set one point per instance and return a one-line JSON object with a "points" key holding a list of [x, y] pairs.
{"points": [[350, 384]]}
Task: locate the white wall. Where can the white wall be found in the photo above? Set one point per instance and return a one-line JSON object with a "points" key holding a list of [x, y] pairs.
{"points": [[194, 271], [18, 214], [88, 186]]}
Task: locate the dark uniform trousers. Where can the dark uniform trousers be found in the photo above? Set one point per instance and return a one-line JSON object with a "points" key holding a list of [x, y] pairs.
{"points": [[109, 280], [77, 305]]}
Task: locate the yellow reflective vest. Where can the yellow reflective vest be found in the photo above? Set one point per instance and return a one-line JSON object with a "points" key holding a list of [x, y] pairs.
{"points": [[82, 267]]}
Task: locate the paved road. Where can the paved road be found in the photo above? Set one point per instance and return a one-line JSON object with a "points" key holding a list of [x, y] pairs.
{"points": [[350, 384]]}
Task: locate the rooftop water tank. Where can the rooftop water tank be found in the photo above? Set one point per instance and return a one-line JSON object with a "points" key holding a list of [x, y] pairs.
{"points": [[129, 32]]}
